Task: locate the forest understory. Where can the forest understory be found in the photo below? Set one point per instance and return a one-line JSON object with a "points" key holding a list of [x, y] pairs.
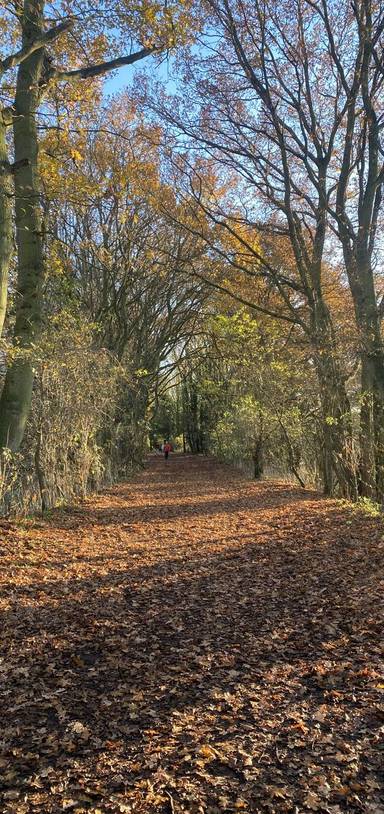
{"points": [[193, 642]]}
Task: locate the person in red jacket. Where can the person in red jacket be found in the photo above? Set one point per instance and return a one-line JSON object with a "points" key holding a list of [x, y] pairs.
{"points": [[166, 449]]}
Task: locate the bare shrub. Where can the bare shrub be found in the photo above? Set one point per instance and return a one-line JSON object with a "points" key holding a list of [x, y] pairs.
{"points": [[67, 447]]}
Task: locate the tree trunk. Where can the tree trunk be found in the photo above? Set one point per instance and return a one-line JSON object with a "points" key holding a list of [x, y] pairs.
{"points": [[41, 479], [337, 437], [372, 417], [258, 459], [135, 431], [6, 226], [191, 412], [17, 392], [293, 457], [326, 464], [360, 274], [367, 431], [378, 415]]}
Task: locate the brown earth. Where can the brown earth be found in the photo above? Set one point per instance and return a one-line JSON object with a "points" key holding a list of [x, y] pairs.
{"points": [[193, 642]]}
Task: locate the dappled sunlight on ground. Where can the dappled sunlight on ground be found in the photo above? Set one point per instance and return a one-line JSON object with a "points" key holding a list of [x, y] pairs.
{"points": [[191, 641]]}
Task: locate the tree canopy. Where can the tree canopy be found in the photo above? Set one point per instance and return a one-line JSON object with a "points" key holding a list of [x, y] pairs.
{"points": [[200, 251]]}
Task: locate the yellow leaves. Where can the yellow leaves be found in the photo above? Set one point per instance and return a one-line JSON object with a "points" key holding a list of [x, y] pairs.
{"points": [[160, 24], [75, 154], [61, 154], [207, 752], [99, 48]]}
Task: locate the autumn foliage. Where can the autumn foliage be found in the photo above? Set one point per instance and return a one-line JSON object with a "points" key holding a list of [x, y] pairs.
{"points": [[193, 642]]}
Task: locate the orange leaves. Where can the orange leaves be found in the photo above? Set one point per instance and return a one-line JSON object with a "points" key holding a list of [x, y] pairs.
{"points": [[178, 622], [112, 746], [207, 752], [300, 727]]}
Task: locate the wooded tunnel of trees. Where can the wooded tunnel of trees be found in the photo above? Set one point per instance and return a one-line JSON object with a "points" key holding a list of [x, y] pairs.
{"points": [[193, 251]]}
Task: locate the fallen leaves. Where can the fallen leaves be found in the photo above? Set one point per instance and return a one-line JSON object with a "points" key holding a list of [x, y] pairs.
{"points": [[207, 752], [193, 642]]}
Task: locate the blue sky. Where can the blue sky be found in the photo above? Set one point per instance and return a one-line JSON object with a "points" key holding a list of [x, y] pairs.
{"points": [[124, 77]]}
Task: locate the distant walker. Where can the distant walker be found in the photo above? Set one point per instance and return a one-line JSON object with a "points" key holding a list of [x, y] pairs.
{"points": [[166, 448]]}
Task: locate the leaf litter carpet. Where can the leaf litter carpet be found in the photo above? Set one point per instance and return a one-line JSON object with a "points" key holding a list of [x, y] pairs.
{"points": [[193, 642]]}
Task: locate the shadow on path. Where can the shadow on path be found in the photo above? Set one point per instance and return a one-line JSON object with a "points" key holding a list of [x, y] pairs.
{"points": [[232, 668]]}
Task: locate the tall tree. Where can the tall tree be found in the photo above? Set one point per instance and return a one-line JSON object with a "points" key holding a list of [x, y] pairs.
{"points": [[312, 156], [355, 205], [36, 74]]}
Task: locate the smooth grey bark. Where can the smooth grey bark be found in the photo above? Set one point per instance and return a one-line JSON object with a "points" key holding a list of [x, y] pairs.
{"points": [[6, 220], [30, 45], [17, 391]]}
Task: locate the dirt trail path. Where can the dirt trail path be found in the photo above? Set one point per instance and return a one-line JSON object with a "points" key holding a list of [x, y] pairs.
{"points": [[193, 642]]}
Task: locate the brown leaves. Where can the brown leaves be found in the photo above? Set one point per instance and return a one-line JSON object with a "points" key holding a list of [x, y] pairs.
{"points": [[207, 752], [192, 642]]}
